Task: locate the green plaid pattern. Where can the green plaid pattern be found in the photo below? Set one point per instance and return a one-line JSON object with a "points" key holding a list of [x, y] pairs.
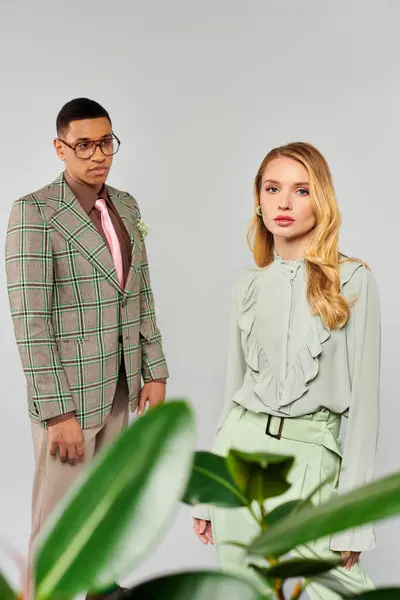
{"points": [[68, 308]]}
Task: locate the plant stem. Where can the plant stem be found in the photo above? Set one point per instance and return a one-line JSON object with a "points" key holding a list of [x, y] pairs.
{"points": [[253, 514], [297, 591], [279, 590]]}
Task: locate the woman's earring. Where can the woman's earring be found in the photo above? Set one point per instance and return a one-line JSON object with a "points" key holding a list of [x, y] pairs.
{"points": [[258, 210]]}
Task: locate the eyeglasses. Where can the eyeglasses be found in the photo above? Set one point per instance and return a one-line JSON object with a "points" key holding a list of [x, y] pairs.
{"points": [[84, 150]]}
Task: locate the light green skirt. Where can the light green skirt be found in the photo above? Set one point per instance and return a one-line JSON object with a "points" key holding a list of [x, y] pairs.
{"points": [[314, 442]]}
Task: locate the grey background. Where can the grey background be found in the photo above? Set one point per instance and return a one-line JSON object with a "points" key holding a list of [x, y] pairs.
{"points": [[199, 92]]}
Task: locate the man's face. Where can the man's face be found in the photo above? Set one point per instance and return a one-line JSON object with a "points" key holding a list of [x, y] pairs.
{"points": [[92, 170]]}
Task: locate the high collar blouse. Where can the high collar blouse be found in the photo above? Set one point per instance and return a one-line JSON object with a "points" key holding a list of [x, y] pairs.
{"points": [[284, 361]]}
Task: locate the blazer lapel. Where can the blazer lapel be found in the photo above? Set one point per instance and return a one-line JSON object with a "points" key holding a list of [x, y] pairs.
{"points": [[72, 222], [125, 211]]}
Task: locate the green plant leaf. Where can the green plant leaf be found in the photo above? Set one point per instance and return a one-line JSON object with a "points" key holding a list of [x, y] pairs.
{"points": [[259, 475], [117, 512], [234, 544], [299, 567], [293, 506], [6, 592], [211, 483], [307, 500], [199, 585], [379, 594], [262, 573], [282, 511], [375, 501]]}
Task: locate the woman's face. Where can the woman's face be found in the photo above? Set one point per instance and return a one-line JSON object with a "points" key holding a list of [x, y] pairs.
{"points": [[285, 199]]}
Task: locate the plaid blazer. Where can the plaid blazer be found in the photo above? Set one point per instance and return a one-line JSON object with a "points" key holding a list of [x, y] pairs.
{"points": [[69, 311]]}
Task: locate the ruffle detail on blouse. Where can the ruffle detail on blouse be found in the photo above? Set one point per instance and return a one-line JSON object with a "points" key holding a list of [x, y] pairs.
{"points": [[266, 386], [347, 270], [306, 366], [246, 322]]}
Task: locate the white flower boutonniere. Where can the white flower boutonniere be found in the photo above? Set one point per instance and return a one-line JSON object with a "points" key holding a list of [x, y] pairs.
{"points": [[144, 228]]}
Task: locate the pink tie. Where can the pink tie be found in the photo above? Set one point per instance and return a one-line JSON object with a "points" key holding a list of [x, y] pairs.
{"points": [[112, 239]]}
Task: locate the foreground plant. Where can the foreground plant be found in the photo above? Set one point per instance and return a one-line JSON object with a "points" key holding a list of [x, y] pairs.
{"points": [[243, 480], [114, 517]]}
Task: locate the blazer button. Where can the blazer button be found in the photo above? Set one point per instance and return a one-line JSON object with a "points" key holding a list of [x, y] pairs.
{"points": [[123, 303], [120, 339]]}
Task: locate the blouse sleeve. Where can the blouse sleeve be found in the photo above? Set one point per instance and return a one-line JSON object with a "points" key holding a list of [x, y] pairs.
{"points": [[236, 365], [236, 369], [364, 350]]}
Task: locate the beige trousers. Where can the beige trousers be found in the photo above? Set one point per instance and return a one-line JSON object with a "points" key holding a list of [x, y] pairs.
{"points": [[53, 478]]}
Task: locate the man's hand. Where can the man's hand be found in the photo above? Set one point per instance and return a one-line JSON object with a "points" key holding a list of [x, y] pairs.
{"points": [[66, 437], [152, 393], [203, 531], [350, 559]]}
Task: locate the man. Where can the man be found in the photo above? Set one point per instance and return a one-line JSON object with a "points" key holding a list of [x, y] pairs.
{"points": [[82, 307]]}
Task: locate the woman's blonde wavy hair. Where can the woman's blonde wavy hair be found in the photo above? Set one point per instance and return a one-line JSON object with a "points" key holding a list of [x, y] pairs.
{"points": [[322, 256]]}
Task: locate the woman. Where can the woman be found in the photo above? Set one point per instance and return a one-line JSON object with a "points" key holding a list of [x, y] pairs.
{"points": [[304, 351]]}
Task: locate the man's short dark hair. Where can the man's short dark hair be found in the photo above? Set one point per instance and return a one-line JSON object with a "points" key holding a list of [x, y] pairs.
{"points": [[78, 110]]}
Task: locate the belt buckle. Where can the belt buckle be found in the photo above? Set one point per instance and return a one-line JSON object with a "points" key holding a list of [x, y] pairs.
{"points": [[278, 435]]}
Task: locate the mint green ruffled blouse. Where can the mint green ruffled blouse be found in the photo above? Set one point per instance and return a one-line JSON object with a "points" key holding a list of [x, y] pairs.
{"points": [[283, 361]]}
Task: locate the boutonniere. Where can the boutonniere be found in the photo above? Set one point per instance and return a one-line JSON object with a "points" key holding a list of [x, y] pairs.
{"points": [[144, 228]]}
